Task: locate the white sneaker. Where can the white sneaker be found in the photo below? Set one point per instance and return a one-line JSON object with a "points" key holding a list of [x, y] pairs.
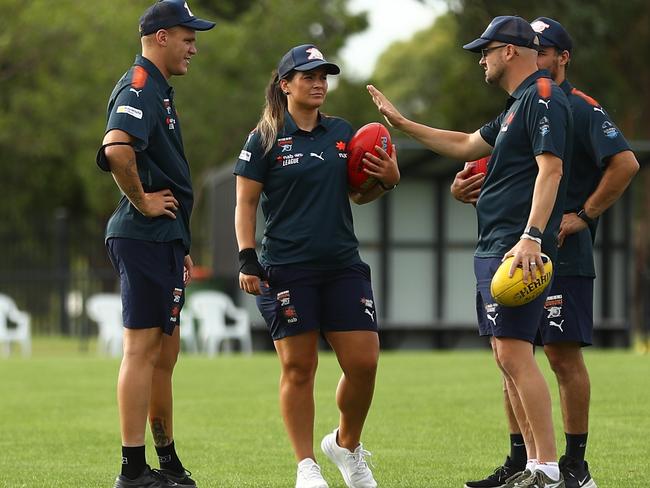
{"points": [[351, 464], [309, 475]]}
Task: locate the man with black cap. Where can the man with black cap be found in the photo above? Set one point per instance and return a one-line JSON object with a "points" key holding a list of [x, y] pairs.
{"points": [[148, 236], [602, 166], [519, 209]]}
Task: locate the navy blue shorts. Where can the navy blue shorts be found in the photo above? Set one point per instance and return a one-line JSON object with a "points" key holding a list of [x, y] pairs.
{"points": [[299, 300], [499, 321], [151, 280], [568, 311]]}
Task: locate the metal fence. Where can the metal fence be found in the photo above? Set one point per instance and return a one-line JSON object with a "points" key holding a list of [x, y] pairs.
{"points": [[51, 267]]}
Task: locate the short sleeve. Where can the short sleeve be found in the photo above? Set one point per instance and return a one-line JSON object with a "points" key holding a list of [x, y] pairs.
{"points": [[548, 123], [601, 136], [131, 113], [490, 131], [252, 162]]}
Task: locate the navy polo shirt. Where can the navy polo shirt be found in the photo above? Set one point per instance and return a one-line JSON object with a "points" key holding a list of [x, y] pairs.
{"points": [[308, 220], [536, 120], [595, 140], [142, 104]]}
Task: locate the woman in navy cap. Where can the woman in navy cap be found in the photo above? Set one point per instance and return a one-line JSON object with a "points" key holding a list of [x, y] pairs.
{"points": [[311, 280]]}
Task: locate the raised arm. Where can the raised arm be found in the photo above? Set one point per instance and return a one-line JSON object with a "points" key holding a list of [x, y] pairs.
{"points": [[456, 145]]}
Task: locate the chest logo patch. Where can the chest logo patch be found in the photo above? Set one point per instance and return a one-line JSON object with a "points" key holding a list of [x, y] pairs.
{"points": [[506, 124], [129, 110]]}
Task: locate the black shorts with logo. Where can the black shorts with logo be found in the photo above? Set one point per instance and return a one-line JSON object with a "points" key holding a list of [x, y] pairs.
{"points": [[151, 281], [299, 300], [496, 320], [568, 311]]}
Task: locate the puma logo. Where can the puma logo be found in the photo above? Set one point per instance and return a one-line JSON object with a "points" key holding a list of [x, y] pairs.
{"points": [[319, 156], [599, 109], [493, 319], [371, 313], [137, 92], [555, 324], [544, 102]]}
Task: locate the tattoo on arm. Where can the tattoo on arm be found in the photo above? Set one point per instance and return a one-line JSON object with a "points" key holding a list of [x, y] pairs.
{"points": [[132, 192], [160, 437]]}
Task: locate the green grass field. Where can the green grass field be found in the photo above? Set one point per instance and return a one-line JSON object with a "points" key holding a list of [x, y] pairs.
{"points": [[436, 420]]}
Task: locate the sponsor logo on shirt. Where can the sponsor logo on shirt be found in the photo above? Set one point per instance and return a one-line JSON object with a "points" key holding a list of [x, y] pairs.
{"points": [[340, 146], [544, 126], [506, 123], [289, 159], [609, 130], [132, 111], [285, 141], [245, 155]]}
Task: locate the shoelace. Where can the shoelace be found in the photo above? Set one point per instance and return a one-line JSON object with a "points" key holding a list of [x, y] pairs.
{"points": [[311, 472], [359, 459]]}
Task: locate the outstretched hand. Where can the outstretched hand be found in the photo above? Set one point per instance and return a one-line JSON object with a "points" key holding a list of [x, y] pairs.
{"points": [[386, 108]]}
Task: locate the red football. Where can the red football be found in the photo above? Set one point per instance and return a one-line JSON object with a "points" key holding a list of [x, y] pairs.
{"points": [[480, 166], [365, 140]]}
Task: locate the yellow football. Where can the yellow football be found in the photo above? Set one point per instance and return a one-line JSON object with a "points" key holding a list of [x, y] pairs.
{"points": [[513, 292]]}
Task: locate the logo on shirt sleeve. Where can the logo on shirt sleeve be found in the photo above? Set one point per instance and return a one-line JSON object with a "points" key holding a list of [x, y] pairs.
{"points": [[544, 126], [132, 111], [609, 130], [245, 155]]}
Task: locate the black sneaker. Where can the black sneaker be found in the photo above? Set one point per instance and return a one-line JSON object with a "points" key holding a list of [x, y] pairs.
{"points": [[576, 473], [181, 479], [498, 478], [148, 479]]}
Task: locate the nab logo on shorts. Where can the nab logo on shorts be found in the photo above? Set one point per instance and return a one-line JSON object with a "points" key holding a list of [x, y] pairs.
{"points": [[176, 308]]}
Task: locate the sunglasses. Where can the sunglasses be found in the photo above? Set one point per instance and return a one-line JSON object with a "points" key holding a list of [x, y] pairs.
{"points": [[486, 51]]}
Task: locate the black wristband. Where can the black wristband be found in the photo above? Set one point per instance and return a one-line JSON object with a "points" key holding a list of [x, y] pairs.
{"points": [[583, 215], [386, 188], [249, 264]]}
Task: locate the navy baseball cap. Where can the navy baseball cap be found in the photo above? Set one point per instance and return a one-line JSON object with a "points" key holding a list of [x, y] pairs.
{"points": [[506, 28], [551, 33], [304, 58], [169, 13]]}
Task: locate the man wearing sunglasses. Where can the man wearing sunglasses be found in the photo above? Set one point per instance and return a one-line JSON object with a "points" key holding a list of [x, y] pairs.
{"points": [[519, 209], [602, 166]]}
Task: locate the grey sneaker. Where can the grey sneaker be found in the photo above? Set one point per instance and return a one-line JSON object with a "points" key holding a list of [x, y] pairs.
{"points": [[516, 479], [309, 475], [539, 479], [351, 464]]}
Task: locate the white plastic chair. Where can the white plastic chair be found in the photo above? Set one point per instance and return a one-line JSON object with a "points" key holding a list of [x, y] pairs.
{"points": [[106, 310], [188, 331], [20, 333], [211, 310]]}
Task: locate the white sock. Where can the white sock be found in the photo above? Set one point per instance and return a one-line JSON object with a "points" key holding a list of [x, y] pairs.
{"points": [[552, 470], [530, 465], [306, 462]]}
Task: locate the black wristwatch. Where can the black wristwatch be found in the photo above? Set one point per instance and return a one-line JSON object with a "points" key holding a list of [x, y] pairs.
{"points": [[583, 215], [534, 232]]}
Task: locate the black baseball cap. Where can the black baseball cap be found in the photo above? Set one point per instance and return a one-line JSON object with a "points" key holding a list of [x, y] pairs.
{"points": [[551, 33], [169, 13], [506, 28], [304, 58]]}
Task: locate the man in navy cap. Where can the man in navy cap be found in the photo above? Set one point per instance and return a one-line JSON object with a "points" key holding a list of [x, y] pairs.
{"points": [[519, 209], [602, 166], [148, 236]]}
